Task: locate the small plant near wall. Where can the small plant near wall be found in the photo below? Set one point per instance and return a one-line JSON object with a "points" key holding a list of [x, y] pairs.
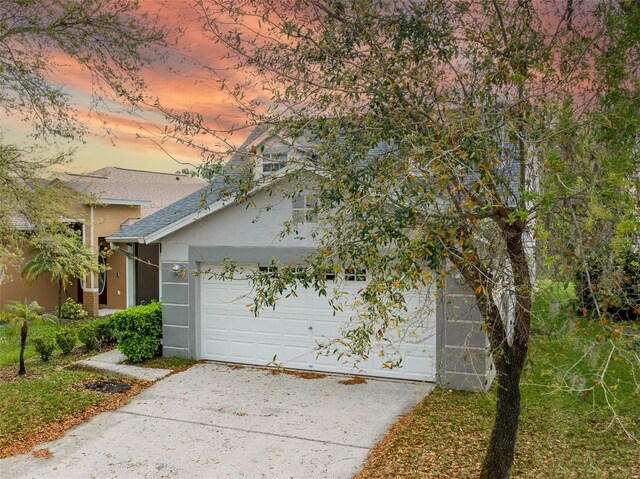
{"points": [[139, 331], [71, 310]]}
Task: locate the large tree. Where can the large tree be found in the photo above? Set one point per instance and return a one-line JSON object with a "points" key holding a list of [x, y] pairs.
{"points": [[441, 135], [110, 40]]}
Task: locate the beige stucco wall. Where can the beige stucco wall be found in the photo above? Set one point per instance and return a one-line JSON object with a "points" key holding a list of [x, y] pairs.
{"points": [[44, 291], [106, 220]]}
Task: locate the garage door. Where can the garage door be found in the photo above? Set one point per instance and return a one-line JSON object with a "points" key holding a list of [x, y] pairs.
{"points": [[291, 332]]}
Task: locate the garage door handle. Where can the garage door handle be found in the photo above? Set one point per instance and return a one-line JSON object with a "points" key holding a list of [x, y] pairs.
{"points": [[310, 328]]}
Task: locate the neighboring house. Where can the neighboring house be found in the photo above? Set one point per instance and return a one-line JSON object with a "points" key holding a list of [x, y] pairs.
{"points": [[206, 318], [108, 199]]}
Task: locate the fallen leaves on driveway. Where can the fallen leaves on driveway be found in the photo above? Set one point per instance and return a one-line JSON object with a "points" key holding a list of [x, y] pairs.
{"points": [[353, 380], [42, 453], [299, 374]]}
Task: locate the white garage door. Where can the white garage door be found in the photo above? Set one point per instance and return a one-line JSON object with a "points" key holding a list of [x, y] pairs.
{"points": [[291, 332]]}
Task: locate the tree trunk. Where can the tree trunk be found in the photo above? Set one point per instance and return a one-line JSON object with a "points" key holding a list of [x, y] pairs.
{"points": [[499, 457], [509, 360], [23, 342]]}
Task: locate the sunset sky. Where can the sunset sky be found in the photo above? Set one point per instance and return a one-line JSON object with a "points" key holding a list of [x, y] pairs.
{"points": [[132, 140]]}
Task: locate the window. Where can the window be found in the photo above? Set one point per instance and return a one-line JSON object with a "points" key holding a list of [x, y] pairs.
{"points": [[358, 274], [268, 269], [304, 209], [273, 162]]}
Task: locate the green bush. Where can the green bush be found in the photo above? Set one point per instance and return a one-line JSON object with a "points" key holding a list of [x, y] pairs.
{"points": [[72, 310], [66, 339], [7, 318], [44, 345], [139, 331], [105, 330], [87, 335]]}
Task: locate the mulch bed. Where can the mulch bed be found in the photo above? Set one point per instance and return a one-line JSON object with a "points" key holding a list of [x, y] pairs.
{"points": [[110, 386]]}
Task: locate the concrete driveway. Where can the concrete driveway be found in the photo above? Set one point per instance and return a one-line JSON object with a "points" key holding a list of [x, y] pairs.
{"points": [[216, 421]]}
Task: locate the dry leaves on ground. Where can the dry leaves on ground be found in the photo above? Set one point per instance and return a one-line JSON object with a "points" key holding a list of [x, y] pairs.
{"points": [[50, 431]]}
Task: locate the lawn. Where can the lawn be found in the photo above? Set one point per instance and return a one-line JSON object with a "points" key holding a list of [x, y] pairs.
{"points": [[563, 434], [10, 341], [49, 399]]}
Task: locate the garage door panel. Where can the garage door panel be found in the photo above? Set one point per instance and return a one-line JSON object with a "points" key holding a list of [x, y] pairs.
{"points": [[218, 349], [296, 328], [242, 349], [293, 330], [326, 329], [264, 352], [296, 353], [216, 322], [240, 324], [417, 364], [268, 326]]}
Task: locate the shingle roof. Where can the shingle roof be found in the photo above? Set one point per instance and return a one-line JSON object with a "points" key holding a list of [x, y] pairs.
{"points": [[168, 215], [208, 195], [159, 189], [188, 205]]}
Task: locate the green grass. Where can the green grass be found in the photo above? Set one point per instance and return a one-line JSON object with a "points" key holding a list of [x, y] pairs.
{"points": [[45, 395], [10, 341], [175, 364], [49, 397], [567, 428]]}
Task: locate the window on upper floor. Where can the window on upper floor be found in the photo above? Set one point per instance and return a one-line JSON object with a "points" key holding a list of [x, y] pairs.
{"points": [[304, 209], [273, 162]]}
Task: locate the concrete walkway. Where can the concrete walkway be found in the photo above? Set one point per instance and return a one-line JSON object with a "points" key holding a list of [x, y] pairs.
{"points": [[216, 421], [111, 362]]}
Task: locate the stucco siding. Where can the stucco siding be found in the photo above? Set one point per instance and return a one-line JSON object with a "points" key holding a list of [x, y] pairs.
{"points": [[241, 225]]}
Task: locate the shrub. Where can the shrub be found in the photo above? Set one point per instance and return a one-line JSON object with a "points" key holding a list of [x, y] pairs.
{"points": [[105, 330], [66, 339], [87, 335], [44, 345], [8, 318], [611, 288], [139, 331], [72, 310]]}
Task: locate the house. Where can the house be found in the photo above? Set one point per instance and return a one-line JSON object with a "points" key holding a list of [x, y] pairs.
{"points": [[107, 200], [207, 318]]}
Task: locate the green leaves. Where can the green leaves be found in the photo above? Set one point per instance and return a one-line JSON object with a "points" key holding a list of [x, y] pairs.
{"points": [[139, 330], [60, 251]]}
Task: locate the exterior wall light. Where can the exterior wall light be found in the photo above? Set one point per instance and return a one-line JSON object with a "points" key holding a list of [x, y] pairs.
{"points": [[178, 269]]}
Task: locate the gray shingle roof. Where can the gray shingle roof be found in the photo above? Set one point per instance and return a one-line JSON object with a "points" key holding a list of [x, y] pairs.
{"points": [[167, 215], [198, 200], [208, 195], [158, 189]]}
